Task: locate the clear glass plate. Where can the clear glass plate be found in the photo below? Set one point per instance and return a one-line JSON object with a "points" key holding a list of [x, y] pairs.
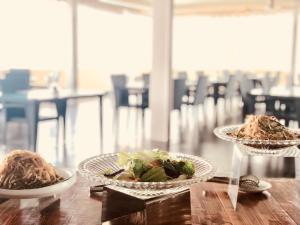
{"points": [[93, 168], [222, 133]]}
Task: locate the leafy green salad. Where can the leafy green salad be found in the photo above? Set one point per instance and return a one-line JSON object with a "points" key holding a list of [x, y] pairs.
{"points": [[152, 166]]}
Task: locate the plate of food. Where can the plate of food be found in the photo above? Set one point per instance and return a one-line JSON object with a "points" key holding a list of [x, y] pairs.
{"points": [[25, 174], [261, 132], [146, 170], [262, 186]]}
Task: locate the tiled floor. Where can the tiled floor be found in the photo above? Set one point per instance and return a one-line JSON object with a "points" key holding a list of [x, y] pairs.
{"points": [[192, 134]]}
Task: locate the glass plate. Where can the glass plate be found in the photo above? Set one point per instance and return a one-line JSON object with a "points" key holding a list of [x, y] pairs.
{"points": [[93, 168], [222, 133], [55, 189]]}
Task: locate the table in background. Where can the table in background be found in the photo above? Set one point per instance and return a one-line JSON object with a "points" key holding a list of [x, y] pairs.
{"points": [[30, 100], [290, 96], [210, 205]]}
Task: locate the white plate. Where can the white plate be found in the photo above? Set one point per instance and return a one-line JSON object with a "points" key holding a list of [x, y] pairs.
{"points": [[69, 179], [262, 186]]}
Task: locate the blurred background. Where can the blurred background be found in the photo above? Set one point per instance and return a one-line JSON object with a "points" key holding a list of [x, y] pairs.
{"points": [[61, 60]]}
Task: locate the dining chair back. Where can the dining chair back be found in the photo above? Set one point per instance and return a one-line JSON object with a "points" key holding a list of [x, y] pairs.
{"points": [[121, 95], [246, 85], [267, 82], [182, 75], [146, 80], [200, 73], [231, 89], [201, 90], [16, 80], [225, 75], [276, 79], [19, 80], [179, 92]]}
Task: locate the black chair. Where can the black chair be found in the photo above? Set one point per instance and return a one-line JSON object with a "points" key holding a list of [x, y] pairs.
{"points": [[121, 95]]}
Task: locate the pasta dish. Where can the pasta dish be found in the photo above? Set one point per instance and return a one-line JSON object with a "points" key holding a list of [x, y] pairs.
{"points": [[25, 170], [263, 127]]}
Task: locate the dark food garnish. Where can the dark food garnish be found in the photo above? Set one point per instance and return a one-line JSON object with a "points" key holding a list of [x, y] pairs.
{"points": [[111, 175]]}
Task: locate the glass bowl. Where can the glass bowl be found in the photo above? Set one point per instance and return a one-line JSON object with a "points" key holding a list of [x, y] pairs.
{"points": [[93, 169], [222, 133]]}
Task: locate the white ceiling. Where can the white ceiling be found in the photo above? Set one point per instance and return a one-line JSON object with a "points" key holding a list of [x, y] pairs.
{"points": [[199, 7]]}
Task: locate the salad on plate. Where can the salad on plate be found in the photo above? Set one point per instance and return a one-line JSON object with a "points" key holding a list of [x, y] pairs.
{"points": [[151, 166]]}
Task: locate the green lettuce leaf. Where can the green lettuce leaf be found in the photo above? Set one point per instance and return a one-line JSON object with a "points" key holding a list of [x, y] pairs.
{"points": [[155, 174]]}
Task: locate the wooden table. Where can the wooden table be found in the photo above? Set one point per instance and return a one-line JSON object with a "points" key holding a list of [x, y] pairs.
{"points": [[210, 205]]}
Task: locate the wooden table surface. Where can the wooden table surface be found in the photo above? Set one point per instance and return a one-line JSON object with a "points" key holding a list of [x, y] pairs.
{"points": [[210, 205]]}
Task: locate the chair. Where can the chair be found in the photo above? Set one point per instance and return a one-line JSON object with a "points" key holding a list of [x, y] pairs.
{"points": [[179, 92], [285, 109], [226, 75], [246, 85], [18, 80], [231, 89], [182, 75], [276, 79], [146, 80], [267, 82], [200, 95], [239, 75], [201, 90], [121, 95], [15, 80], [200, 73]]}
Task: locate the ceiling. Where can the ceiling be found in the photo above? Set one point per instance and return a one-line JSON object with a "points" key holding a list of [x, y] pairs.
{"points": [[198, 7]]}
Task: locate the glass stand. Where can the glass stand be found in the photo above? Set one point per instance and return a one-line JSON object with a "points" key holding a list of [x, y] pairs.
{"points": [[240, 156], [237, 161]]}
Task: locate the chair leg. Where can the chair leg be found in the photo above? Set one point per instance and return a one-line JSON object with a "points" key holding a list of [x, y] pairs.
{"points": [[116, 119], [143, 118], [180, 115], [61, 107], [286, 122], [204, 113], [196, 112], [32, 115], [4, 130], [57, 137]]}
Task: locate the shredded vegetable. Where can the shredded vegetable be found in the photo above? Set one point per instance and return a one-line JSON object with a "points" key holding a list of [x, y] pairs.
{"points": [[261, 127]]}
